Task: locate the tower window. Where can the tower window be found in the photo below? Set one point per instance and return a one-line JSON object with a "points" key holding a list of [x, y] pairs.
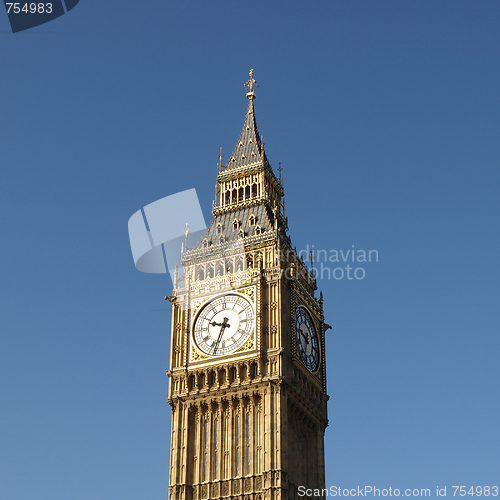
{"points": [[251, 220], [236, 223], [216, 475], [258, 229], [205, 468], [219, 228], [237, 445], [248, 443]]}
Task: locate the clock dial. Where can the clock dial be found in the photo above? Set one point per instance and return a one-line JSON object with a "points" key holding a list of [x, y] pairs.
{"points": [[223, 325], [307, 339]]}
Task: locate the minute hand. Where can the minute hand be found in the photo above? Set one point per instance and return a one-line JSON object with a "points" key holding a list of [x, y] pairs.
{"points": [[223, 326]]}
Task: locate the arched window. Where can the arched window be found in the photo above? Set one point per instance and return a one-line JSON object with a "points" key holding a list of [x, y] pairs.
{"points": [[248, 433], [251, 220], [216, 446], [238, 454], [205, 468]]}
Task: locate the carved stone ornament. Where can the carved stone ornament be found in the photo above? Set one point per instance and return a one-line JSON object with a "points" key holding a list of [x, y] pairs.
{"points": [[248, 484], [258, 483]]}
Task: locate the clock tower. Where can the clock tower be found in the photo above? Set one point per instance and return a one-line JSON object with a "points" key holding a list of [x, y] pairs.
{"points": [[247, 378]]}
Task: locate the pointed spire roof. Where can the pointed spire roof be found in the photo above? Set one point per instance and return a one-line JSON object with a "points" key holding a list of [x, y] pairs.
{"points": [[249, 149]]}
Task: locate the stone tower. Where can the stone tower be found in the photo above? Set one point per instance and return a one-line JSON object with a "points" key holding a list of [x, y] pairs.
{"points": [[247, 380]]}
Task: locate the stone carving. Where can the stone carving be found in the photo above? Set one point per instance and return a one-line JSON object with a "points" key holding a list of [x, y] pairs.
{"points": [[248, 485]]}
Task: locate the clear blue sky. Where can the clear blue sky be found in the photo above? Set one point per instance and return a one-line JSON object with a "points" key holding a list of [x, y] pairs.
{"points": [[385, 116]]}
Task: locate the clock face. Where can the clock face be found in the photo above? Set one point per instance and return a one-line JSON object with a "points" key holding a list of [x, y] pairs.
{"points": [[307, 340], [224, 325]]}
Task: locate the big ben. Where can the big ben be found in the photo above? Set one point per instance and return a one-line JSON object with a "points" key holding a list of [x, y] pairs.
{"points": [[247, 378]]}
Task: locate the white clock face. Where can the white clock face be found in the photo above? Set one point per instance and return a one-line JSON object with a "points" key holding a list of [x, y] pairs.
{"points": [[307, 340], [224, 325]]}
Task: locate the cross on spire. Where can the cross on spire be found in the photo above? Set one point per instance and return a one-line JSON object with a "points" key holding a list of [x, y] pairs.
{"points": [[186, 231]]}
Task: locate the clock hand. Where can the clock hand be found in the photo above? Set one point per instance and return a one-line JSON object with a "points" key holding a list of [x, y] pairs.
{"points": [[223, 326], [304, 335]]}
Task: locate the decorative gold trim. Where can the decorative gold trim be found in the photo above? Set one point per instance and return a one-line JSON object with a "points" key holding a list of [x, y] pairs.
{"points": [[249, 344]]}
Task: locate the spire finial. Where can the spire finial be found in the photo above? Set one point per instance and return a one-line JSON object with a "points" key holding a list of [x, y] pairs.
{"points": [[219, 165], [250, 85], [312, 259]]}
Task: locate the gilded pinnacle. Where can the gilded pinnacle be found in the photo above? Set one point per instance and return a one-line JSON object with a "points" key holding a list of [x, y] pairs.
{"points": [[250, 85]]}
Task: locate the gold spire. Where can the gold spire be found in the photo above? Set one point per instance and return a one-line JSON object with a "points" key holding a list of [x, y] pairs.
{"points": [[250, 85]]}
